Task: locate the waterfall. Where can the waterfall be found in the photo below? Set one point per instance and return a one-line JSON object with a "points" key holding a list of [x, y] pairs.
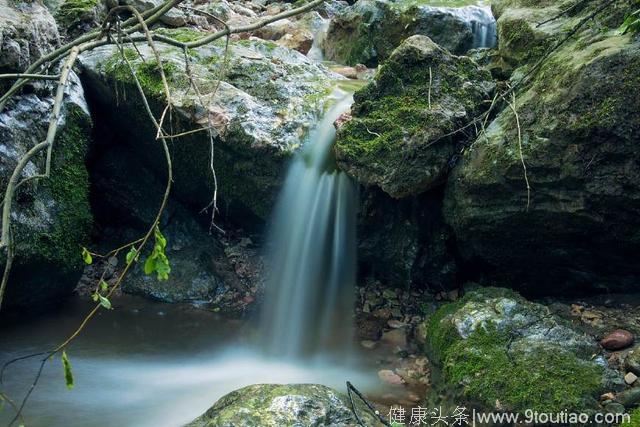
{"points": [[483, 25], [312, 252]]}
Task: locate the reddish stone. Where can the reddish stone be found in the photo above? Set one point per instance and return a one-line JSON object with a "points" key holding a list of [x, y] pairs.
{"points": [[617, 340]]}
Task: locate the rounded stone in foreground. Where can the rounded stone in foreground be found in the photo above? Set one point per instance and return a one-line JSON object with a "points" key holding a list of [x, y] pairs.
{"points": [[617, 340], [295, 405]]}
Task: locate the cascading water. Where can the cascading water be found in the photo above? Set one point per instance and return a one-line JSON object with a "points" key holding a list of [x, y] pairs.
{"points": [[483, 25], [312, 252]]}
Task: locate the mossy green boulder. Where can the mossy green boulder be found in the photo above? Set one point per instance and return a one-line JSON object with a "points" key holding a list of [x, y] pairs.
{"points": [[258, 114], [273, 405], [578, 123], [51, 217], [398, 136], [506, 353]]}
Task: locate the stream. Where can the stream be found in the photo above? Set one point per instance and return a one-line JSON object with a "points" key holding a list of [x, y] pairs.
{"points": [[155, 364]]}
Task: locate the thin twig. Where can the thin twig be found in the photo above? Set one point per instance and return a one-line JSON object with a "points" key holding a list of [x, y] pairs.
{"points": [[430, 83], [29, 76], [512, 104], [351, 388]]}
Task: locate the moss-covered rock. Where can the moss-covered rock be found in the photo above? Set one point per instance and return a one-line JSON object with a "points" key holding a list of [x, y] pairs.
{"points": [[79, 16], [579, 127], [51, 218], [368, 31], [268, 98], [510, 354], [397, 138], [272, 405]]}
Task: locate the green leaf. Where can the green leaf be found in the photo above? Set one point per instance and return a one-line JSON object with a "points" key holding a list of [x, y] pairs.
{"points": [[86, 256], [95, 296], [104, 286], [150, 265], [105, 302], [132, 255], [68, 375]]}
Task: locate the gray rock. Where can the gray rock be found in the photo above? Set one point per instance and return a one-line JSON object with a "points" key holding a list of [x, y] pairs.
{"points": [[27, 31], [511, 354], [259, 116], [271, 405]]}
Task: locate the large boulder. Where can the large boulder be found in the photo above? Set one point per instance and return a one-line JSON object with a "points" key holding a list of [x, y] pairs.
{"points": [[368, 31], [273, 405], [576, 131], [51, 218], [508, 354], [27, 31], [404, 242], [258, 114], [398, 138]]}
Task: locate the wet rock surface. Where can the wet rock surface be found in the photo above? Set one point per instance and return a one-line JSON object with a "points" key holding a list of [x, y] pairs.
{"points": [[278, 405]]}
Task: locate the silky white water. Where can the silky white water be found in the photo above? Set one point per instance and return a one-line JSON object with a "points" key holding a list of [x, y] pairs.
{"points": [[311, 252]]}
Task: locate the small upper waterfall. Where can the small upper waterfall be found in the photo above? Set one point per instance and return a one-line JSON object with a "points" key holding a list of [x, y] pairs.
{"points": [[483, 25], [312, 252]]}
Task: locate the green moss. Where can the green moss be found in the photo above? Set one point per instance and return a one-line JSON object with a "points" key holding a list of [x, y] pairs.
{"points": [[634, 421], [74, 12], [148, 73], [182, 34], [489, 370], [69, 187], [540, 379]]}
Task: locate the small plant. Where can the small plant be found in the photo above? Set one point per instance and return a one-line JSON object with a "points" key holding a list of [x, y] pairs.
{"points": [[158, 262], [631, 24]]}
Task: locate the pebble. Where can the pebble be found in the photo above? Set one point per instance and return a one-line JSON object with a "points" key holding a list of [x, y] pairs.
{"points": [[607, 396], [390, 377], [395, 337], [395, 324], [368, 344], [617, 340], [630, 378]]}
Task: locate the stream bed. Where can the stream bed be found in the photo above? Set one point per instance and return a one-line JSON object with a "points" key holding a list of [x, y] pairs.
{"points": [[153, 364]]}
